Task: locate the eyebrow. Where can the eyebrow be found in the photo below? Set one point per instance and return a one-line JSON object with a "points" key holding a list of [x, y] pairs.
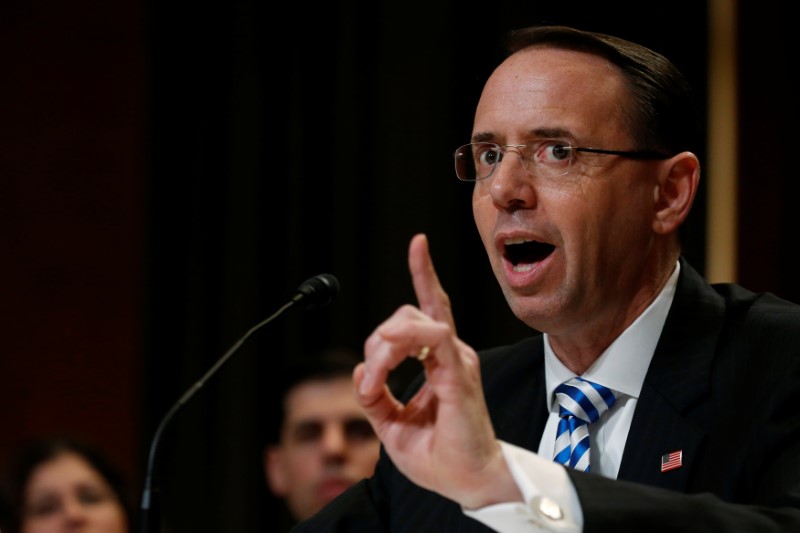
{"points": [[314, 421], [537, 133]]}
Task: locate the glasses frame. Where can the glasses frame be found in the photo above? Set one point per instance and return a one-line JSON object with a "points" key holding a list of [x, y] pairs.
{"points": [[631, 154]]}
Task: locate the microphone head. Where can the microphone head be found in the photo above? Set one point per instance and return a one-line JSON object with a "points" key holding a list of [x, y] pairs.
{"points": [[317, 291]]}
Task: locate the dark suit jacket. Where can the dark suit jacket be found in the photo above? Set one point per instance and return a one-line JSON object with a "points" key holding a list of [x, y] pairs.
{"points": [[723, 387]]}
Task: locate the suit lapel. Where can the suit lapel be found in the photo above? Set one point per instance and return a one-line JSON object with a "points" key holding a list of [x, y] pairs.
{"points": [[514, 385], [678, 379]]}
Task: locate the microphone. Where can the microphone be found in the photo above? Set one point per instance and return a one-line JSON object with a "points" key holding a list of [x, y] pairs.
{"points": [[316, 291]]}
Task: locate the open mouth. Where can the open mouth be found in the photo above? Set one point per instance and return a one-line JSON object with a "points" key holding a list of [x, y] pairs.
{"points": [[527, 252]]}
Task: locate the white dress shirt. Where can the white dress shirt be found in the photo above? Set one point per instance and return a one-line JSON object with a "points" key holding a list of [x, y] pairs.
{"points": [[550, 500]]}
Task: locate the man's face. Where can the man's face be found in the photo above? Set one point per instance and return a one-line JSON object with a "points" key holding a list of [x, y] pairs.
{"points": [[326, 446], [572, 250]]}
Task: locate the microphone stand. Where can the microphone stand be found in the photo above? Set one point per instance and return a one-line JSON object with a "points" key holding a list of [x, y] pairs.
{"points": [[319, 289]]}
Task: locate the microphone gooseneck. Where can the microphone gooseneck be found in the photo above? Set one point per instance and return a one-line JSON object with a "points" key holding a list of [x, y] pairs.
{"points": [[316, 291]]}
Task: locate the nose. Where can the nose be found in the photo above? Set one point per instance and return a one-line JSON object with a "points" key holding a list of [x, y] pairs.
{"points": [[74, 511], [334, 440], [511, 185]]}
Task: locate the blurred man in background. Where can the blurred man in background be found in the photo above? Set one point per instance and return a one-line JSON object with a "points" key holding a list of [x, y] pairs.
{"points": [[321, 443]]}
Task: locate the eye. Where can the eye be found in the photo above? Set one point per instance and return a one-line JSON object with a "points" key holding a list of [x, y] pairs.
{"points": [[90, 495], [487, 154], [553, 152], [43, 507], [358, 429], [306, 432]]}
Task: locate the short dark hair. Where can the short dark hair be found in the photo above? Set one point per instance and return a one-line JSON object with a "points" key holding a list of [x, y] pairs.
{"points": [[43, 449], [663, 116], [325, 365]]}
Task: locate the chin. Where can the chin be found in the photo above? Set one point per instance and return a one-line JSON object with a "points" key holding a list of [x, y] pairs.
{"points": [[532, 311]]}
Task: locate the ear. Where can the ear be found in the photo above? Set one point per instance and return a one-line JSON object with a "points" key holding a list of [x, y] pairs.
{"points": [[675, 192], [273, 470]]}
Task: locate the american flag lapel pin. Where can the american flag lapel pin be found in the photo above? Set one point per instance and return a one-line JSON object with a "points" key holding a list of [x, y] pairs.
{"points": [[671, 461]]}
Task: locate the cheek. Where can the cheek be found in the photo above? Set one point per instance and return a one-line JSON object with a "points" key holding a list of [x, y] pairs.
{"points": [[612, 222], [367, 457], [372, 449], [113, 515], [41, 524], [602, 198], [634, 204], [301, 466]]}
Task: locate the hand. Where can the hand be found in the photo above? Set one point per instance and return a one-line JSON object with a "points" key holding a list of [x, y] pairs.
{"points": [[442, 439]]}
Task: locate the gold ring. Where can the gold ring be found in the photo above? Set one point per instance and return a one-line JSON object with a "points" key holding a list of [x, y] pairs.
{"points": [[423, 353]]}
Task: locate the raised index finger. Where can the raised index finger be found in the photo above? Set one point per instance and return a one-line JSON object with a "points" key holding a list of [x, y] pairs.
{"points": [[432, 299]]}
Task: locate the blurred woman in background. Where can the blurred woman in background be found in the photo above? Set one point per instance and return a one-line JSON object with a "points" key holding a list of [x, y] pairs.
{"points": [[60, 484]]}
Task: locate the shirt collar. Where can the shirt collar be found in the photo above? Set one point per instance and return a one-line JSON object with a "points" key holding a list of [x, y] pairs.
{"points": [[623, 365]]}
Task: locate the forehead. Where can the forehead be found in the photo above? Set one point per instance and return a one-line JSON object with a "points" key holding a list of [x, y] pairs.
{"points": [[551, 89], [62, 471], [321, 399]]}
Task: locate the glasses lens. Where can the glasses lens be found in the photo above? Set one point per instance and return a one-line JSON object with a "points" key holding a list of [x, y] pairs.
{"points": [[547, 158], [552, 158], [465, 164], [476, 161]]}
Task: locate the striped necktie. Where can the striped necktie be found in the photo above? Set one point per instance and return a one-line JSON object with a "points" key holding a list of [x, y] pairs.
{"points": [[581, 402]]}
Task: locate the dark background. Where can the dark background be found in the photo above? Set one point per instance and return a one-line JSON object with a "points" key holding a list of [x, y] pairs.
{"points": [[172, 171]]}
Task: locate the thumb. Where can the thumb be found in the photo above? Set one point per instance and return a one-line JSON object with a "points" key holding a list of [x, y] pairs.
{"points": [[379, 407]]}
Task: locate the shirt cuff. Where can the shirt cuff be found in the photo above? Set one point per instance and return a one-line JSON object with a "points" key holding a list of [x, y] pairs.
{"points": [[550, 500]]}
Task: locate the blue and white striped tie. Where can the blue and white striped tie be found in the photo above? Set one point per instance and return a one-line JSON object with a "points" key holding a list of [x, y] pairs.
{"points": [[581, 402]]}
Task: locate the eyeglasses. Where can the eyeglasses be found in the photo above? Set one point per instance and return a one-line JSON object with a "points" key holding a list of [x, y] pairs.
{"points": [[546, 157]]}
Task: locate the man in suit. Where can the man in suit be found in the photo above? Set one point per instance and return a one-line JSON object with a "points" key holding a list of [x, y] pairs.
{"points": [[651, 401]]}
